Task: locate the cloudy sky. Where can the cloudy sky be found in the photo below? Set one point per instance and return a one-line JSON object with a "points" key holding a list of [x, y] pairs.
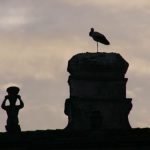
{"points": [[38, 37]]}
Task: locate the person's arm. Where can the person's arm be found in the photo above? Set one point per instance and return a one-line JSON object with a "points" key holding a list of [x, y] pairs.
{"points": [[21, 102], [3, 106]]}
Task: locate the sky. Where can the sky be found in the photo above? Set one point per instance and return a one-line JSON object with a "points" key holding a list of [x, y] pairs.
{"points": [[38, 37]]}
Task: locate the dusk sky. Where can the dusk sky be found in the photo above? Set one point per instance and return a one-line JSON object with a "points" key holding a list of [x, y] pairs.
{"points": [[38, 37]]}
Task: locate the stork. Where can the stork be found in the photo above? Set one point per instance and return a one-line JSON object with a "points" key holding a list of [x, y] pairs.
{"points": [[98, 37]]}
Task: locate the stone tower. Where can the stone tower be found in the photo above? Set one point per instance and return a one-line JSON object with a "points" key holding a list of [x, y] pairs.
{"points": [[97, 92]]}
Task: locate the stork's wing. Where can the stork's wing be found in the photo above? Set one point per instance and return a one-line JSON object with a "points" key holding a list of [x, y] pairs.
{"points": [[100, 38], [97, 34]]}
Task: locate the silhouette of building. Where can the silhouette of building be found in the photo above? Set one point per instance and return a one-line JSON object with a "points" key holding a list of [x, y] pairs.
{"points": [[97, 92]]}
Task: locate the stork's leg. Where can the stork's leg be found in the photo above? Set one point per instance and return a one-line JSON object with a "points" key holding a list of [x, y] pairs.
{"points": [[97, 47]]}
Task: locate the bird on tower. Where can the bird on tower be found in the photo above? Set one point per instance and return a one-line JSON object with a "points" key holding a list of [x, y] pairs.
{"points": [[98, 37]]}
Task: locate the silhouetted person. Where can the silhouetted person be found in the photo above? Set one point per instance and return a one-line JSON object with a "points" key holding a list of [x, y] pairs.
{"points": [[12, 109]]}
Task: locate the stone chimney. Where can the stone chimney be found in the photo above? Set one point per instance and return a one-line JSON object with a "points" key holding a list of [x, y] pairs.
{"points": [[97, 92]]}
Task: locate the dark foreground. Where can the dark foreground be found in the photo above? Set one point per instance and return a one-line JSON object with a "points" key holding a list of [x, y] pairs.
{"points": [[135, 139]]}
